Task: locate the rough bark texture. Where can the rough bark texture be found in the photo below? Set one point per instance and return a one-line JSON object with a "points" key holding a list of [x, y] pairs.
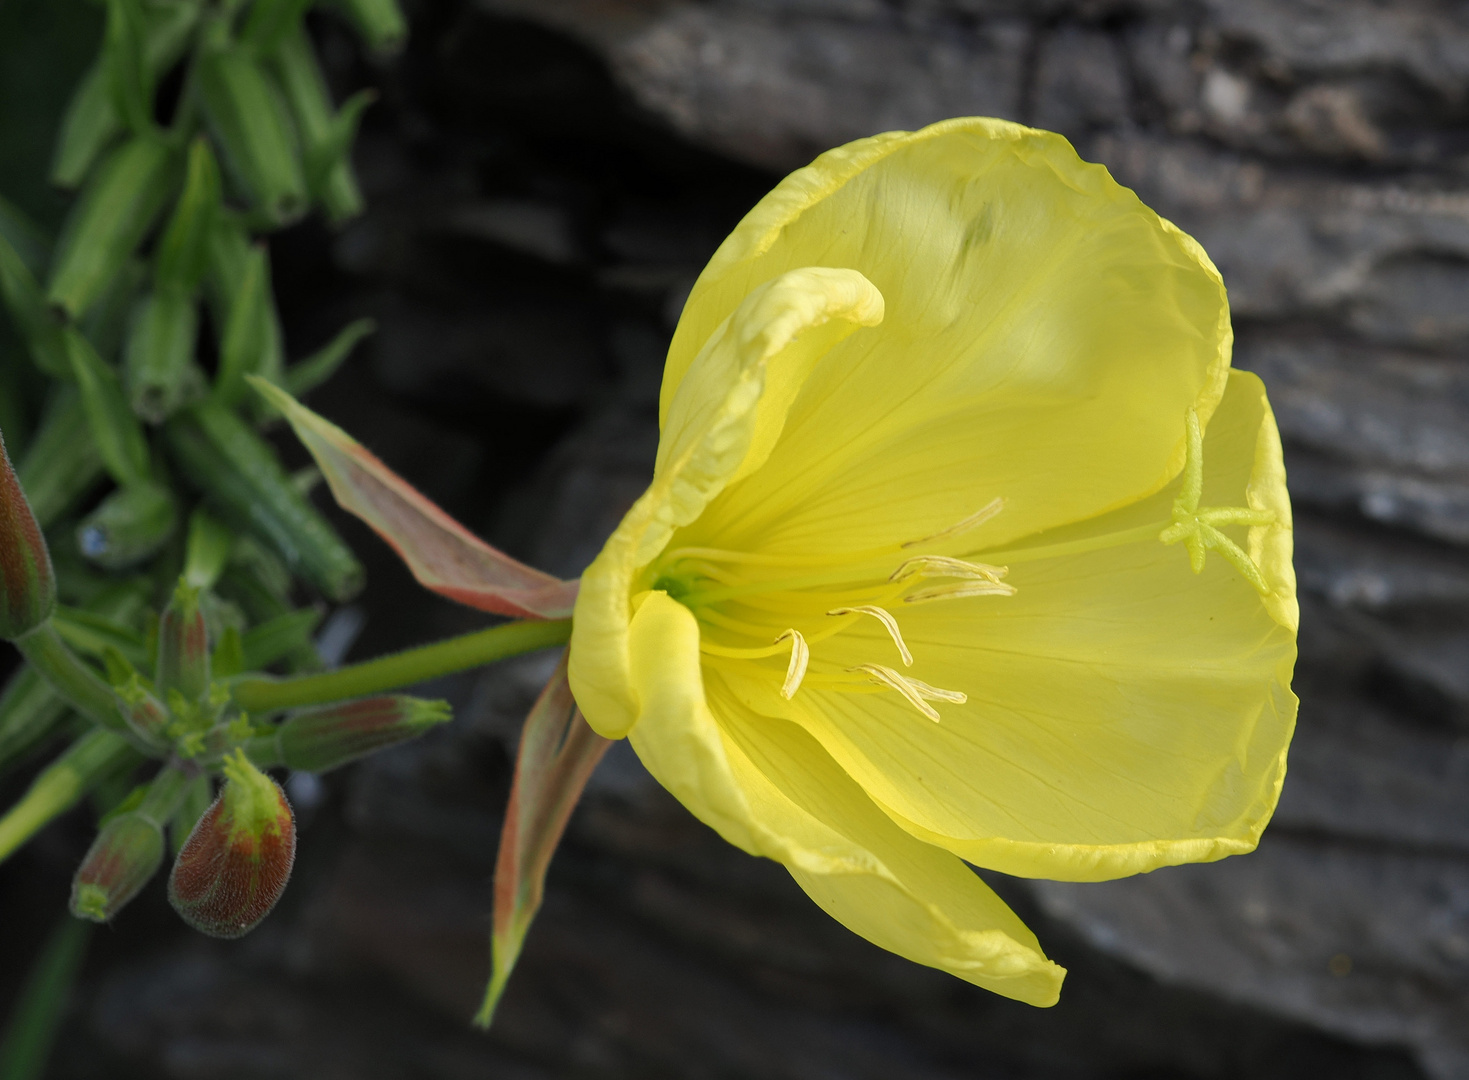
{"points": [[545, 178]]}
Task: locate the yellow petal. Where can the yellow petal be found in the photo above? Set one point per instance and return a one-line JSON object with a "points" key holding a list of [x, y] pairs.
{"points": [[1036, 311], [767, 787], [1123, 713], [730, 412]]}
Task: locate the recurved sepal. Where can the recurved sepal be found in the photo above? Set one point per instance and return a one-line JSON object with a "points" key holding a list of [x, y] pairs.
{"points": [[325, 738], [123, 858], [27, 582], [235, 864]]}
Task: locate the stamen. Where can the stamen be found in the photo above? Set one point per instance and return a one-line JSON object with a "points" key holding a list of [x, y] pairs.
{"points": [[945, 566], [889, 623], [973, 521], [914, 691], [960, 590], [800, 657]]}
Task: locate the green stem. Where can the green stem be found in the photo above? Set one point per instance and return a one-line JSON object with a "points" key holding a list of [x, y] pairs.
{"points": [[60, 785], [73, 680], [402, 669], [38, 1013], [164, 795]]}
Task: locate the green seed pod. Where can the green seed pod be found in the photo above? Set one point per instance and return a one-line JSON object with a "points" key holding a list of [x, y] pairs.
{"points": [[249, 121], [159, 350], [182, 256], [130, 524], [115, 212], [270, 21], [62, 462], [246, 484], [326, 738], [124, 54], [27, 582], [114, 426], [236, 862], [328, 166], [126, 854], [183, 646], [380, 22], [92, 120]]}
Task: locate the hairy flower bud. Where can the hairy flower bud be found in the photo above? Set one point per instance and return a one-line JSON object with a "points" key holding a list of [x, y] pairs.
{"points": [[235, 864], [27, 582], [183, 646], [325, 738], [123, 858]]}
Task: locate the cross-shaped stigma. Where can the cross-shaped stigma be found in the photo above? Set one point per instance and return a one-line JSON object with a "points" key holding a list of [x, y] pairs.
{"points": [[1198, 527]]}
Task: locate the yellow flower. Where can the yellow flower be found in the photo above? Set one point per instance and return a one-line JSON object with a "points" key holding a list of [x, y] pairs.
{"points": [[905, 589]]}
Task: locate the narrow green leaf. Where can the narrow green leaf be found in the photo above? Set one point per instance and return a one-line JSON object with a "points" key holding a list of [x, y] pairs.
{"points": [[62, 462], [94, 634], [244, 481], [182, 256], [263, 645], [301, 378], [115, 428]]}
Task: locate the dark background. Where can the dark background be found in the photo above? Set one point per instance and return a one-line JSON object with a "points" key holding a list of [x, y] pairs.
{"points": [[545, 178]]}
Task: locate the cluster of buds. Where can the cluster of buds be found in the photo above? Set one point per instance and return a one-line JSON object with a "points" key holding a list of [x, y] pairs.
{"points": [[237, 857]]}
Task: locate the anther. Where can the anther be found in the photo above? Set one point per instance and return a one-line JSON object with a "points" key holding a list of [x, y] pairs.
{"points": [[973, 521], [959, 590], [800, 658], [889, 623], [913, 690], [945, 566]]}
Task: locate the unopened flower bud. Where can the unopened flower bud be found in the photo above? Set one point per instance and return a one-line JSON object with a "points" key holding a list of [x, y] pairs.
{"points": [[183, 646], [123, 858], [27, 582], [235, 864], [325, 738], [144, 713]]}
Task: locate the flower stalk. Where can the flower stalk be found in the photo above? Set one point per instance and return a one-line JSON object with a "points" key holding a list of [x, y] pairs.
{"points": [[258, 694]]}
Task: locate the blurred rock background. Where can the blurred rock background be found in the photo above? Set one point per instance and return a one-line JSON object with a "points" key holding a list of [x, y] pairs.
{"points": [[545, 178]]}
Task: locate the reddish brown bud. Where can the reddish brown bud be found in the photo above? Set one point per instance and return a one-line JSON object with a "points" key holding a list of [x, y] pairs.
{"points": [[27, 582], [123, 858], [183, 646], [325, 738], [235, 864]]}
